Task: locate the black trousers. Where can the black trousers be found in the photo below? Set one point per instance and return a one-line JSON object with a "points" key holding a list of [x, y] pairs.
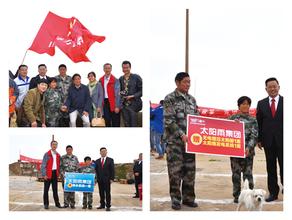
{"points": [[130, 117], [273, 154], [47, 183], [137, 182], [112, 119], [104, 187]]}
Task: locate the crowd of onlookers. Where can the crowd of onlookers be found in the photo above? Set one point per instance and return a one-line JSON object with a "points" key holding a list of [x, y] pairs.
{"points": [[60, 101]]}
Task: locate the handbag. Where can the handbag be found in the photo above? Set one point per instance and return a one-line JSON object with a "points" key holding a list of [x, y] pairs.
{"points": [[98, 121]]}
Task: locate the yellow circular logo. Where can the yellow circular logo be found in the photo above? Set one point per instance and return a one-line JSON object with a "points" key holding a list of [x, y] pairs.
{"points": [[69, 185], [196, 139]]}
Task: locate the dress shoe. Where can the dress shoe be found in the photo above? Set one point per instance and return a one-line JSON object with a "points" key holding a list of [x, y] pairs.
{"points": [[58, 206], [46, 206], [271, 198], [235, 200], [84, 207], [65, 206], [175, 206], [100, 207], [72, 206], [108, 209], [190, 204], [135, 196], [90, 207]]}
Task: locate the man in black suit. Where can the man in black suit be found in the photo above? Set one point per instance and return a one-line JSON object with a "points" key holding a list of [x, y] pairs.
{"points": [[270, 121], [105, 174], [42, 69], [137, 170]]}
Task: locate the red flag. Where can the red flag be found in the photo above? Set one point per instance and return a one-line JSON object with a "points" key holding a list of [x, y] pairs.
{"points": [[68, 34]]}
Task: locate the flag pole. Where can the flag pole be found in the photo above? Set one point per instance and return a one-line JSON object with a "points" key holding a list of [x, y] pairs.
{"points": [[24, 57], [187, 42]]}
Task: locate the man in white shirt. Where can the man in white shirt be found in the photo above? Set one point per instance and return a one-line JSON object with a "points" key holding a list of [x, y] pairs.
{"points": [[50, 170], [270, 121], [22, 81], [42, 69], [112, 103]]}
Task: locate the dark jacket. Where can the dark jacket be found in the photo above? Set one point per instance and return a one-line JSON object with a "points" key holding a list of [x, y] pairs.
{"points": [[270, 127], [134, 88], [78, 99], [34, 81], [138, 169], [106, 173]]}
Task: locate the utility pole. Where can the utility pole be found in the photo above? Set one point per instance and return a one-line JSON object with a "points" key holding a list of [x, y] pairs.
{"points": [[187, 42]]}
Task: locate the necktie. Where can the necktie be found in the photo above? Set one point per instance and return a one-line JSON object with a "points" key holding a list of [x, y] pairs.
{"points": [[102, 162], [273, 108]]}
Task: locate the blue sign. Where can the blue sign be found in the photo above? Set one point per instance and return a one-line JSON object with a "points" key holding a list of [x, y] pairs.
{"points": [[79, 182]]}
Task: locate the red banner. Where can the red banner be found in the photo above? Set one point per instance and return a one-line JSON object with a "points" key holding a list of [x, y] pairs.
{"points": [[215, 112], [28, 159], [38, 161], [215, 136]]}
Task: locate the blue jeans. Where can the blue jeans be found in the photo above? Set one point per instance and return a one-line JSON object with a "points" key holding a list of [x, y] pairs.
{"points": [[152, 142], [160, 147]]}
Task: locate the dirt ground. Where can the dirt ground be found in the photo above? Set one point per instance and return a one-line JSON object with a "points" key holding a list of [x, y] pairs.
{"points": [[25, 194], [213, 185]]}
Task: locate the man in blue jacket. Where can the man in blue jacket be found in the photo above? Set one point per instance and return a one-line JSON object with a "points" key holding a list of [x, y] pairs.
{"points": [[78, 102]]}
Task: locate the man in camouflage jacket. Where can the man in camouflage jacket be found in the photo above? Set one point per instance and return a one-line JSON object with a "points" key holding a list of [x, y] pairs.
{"points": [[69, 163], [181, 165]]}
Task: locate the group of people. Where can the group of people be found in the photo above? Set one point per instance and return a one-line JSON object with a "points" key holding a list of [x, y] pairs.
{"points": [[264, 131], [55, 166], [44, 101]]}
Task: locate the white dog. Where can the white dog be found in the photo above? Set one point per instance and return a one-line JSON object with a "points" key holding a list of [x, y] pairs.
{"points": [[252, 198]]}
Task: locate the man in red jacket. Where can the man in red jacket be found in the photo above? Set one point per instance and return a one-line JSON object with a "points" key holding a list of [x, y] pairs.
{"points": [[111, 103], [50, 170]]}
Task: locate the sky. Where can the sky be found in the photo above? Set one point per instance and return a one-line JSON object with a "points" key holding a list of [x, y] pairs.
{"points": [[234, 47]]}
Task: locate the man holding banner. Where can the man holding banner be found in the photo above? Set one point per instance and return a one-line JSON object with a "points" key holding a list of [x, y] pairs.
{"points": [[181, 165], [69, 163]]}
